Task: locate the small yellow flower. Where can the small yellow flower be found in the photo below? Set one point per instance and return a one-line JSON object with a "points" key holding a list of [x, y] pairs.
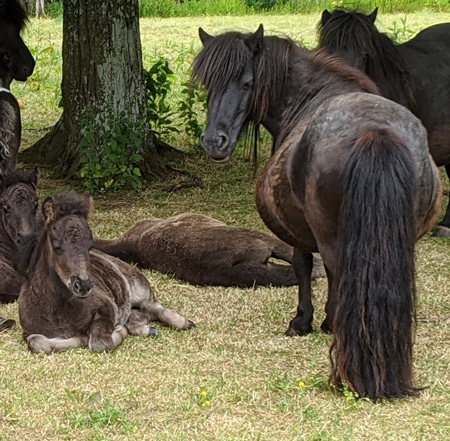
{"points": [[301, 384], [206, 403], [203, 393]]}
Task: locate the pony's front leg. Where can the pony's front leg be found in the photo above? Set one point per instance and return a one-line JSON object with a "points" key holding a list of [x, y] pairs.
{"points": [[40, 343], [103, 336], [301, 323]]}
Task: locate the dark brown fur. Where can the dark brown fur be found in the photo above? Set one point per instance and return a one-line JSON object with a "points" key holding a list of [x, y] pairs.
{"points": [[350, 177], [77, 297], [18, 204], [205, 251], [414, 73], [16, 62]]}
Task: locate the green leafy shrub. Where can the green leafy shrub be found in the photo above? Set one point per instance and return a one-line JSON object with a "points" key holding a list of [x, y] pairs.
{"points": [[191, 109], [158, 84], [114, 165]]}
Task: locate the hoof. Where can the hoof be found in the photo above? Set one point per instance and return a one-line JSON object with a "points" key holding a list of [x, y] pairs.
{"points": [[191, 325], [441, 231], [291, 332], [153, 332], [6, 324], [326, 329]]}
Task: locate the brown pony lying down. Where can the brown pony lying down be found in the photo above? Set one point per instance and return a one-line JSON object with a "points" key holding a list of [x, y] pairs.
{"points": [[205, 251]]}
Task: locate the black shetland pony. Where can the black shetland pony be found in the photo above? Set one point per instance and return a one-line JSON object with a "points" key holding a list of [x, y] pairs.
{"points": [[75, 296], [350, 177], [16, 63], [414, 74], [18, 210]]}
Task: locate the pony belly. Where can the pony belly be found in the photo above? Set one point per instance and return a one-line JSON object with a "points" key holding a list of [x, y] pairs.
{"points": [[281, 209]]}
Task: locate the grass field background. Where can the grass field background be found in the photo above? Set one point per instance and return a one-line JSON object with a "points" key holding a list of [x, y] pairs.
{"points": [[236, 376]]}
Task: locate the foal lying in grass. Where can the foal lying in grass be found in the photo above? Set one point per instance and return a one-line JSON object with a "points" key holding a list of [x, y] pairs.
{"points": [[75, 296]]}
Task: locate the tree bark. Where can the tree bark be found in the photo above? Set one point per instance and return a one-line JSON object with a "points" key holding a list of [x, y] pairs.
{"points": [[102, 76]]}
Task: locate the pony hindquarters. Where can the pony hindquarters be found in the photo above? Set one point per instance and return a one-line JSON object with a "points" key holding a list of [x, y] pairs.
{"points": [[374, 286]]}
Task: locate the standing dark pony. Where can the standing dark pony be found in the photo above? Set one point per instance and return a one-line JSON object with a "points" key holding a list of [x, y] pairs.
{"points": [[350, 177], [18, 206], [78, 297], [16, 63], [414, 74]]}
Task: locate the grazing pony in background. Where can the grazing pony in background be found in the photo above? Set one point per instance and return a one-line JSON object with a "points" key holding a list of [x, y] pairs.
{"points": [[350, 177], [205, 251], [75, 296], [16, 63], [414, 74], [18, 202]]}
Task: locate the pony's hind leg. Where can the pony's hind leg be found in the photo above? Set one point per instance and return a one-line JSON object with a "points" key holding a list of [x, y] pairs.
{"points": [[301, 323], [167, 316], [138, 324], [327, 324]]}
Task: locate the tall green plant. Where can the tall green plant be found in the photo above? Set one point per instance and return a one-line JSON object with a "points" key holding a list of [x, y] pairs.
{"points": [[158, 84]]}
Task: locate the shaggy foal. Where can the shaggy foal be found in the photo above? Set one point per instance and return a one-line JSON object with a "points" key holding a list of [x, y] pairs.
{"points": [[205, 251], [78, 297]]}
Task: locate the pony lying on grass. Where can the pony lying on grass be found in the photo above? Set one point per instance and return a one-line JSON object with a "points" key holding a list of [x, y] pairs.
{"points": [[205, 251], [75, 296], [18, 202]]}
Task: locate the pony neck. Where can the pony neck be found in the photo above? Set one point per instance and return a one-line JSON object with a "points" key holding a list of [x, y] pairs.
{"points": [[314, 77]]}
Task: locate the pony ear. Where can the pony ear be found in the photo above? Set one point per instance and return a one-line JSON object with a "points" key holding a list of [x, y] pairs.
{"points": [[88, 203], [34, 177], [49, 210], [254, 41], [325, 16], [373, 16], [205, 38]]}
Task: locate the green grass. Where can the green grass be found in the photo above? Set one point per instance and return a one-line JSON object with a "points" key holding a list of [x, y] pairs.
{"points": [[260, 384]]}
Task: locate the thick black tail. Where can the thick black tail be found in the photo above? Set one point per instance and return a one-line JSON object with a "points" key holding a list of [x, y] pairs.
{"points": [[374, 285]]}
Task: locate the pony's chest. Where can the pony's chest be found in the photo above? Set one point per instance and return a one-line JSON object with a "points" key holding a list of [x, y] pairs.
{"points": [[75, 316]]}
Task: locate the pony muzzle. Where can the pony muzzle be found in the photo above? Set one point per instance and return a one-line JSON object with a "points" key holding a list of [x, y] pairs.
{"points": [[217, 146], [80, 287]]}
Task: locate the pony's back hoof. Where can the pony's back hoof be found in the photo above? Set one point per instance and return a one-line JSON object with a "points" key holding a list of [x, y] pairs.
{"points": [[6, 324], [191, 325]]}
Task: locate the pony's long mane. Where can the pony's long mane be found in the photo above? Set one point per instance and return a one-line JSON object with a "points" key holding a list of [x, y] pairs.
{"points": [[274, 63], [355, 32], [14, 12]]}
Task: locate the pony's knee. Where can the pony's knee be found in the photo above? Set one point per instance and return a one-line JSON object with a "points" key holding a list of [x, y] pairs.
{"points": [[38, 343]]}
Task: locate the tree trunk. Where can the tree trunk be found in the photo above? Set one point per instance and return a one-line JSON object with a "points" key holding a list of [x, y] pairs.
{"points": [[102, 78]]}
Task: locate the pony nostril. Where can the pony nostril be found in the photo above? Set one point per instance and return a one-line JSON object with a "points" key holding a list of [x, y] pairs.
{"points": [[76, 284], [81, 285], [222, 141]]}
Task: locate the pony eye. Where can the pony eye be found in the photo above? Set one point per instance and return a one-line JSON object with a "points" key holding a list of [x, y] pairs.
{"points": [[247, 86]]}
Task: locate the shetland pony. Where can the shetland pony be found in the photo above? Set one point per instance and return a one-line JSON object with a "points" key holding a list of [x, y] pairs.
{"points": [[351, 177]]}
